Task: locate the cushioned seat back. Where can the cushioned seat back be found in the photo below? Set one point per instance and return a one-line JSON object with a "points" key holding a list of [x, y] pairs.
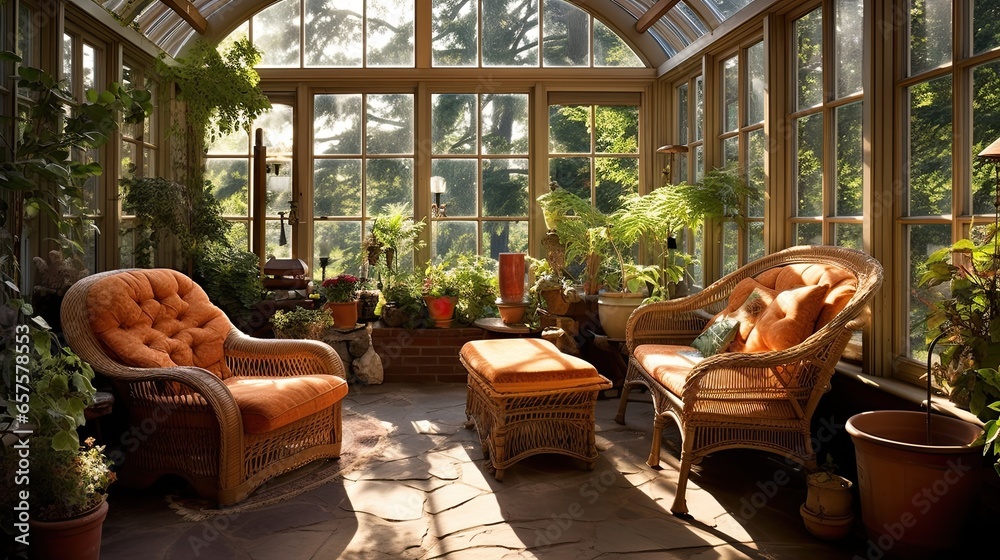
{"points": [[158, 318]]}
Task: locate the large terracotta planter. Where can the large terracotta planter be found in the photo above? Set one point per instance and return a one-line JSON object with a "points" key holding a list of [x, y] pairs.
{"points": [[78, 538], [511, 277], [915, 496], [441, 309], [345, 314], [614, 309]]}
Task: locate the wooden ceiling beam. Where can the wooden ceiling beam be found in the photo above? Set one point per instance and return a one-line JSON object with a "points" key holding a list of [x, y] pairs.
{"points": [[655, 12], [189, 13]]}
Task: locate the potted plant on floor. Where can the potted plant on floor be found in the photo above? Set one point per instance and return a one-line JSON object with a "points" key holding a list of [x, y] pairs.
{"points": [[827, 511], [301, 323]]}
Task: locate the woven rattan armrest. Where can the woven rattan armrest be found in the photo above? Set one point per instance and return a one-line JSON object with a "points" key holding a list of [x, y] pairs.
{"points": [[262, 357]]}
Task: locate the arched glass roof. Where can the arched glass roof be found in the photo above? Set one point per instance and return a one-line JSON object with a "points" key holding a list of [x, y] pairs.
{"points": [[667, 26]]}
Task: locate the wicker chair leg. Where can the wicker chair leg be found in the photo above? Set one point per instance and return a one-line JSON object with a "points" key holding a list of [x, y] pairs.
{"points": [[620, 417], [654, 450], [680, 501]]}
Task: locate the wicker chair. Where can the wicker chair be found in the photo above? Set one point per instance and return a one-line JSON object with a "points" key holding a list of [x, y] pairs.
{"points": [[206, 402], [759, 400]]}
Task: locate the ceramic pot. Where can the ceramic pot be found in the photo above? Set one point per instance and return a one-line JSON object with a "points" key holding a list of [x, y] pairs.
{"points": [[555, 303], [78, 538], [614, 309], [345, 314], [829, 495], [915, 495], [392, 315], [829, 528], [512, 313], [441, 309], [511, 277]]}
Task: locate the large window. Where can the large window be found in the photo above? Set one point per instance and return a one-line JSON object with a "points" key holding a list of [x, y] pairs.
{"points": [[948, 99], [690, 165], [138, 154]]}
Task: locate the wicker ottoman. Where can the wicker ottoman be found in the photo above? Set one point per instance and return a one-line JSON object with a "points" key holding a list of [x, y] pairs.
{"points": [[526, 397]]}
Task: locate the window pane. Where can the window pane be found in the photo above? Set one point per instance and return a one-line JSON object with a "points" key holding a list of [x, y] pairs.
{"points": [[341, 241], [389, 32], [985, 15], [809, 60], [610, 50], [731, 151], [569, 129], [453, 237], [230, 181], [699, 163], [809, 234], [986, 116], [850, 146], [616, 129], [504, 237], [453, 124], [272, 239], [388, 181], [461, 180], [682, 114], [505, 187], [699, 109], [848, 235], [930, 151], [755, 170], [510, 37], [239, 235], [67, 60], [572, 174], [755, 241], [129, 163], [276, 34], [726, 8], [616, 177], [808, 175], [697, 250], [455, 33], [279, 191], [731, 94], [930, 34], [89, 68], [730, 246], [334, 33], [236, 142], [337, 124], [755, 86], [505, 123], [850, 46], [389, 125], [278, 130], [337, 187], [567, 34], [923, 240]]}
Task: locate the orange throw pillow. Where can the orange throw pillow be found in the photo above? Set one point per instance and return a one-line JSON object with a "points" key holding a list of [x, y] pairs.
{"points": [[749, 314], [789, 320]]}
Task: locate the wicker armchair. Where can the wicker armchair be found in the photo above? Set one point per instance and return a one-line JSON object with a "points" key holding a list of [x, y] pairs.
{"points": [[758, 400], [206, 402]]}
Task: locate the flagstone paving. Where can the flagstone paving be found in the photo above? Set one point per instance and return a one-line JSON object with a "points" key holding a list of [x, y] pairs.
{"points": [[427, 495]]}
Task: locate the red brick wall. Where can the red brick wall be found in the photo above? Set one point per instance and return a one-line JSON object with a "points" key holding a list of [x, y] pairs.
{"points": [[422, 355]]}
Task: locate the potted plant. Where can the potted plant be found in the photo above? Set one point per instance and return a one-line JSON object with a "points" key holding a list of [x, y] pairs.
{"points": [[67, 485], [341, 295], [827, 511], [401, 303], [580, 231], [301, 323], [440, 293], [555, 292], [394, 235]]}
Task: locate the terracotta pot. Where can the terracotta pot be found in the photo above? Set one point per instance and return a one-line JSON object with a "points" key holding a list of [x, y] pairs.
{"points": [[614, 309], [915, 496], [829, 528], [555, 303], [512, 313], [345, 314], [392, 315], [829, 495], [441, 309], [511, 276], [78, 538]]}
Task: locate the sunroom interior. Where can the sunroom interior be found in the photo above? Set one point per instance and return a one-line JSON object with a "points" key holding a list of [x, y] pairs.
{"points": [[854, 123]]}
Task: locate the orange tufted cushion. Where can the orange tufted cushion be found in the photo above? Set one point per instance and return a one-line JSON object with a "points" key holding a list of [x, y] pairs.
{"points": [[269, 403], [789, 320], [769, 277], [158, 318], [527, 364]]}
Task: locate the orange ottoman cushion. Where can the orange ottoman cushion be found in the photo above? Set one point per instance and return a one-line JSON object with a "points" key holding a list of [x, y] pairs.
{"points": [[268, 403], [527, 364]]}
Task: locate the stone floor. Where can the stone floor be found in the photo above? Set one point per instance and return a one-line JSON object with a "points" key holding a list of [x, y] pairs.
{"points": [[427, 496]]}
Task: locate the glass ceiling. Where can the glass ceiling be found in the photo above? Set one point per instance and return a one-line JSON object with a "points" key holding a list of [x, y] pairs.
{"points": [[683, 24]]}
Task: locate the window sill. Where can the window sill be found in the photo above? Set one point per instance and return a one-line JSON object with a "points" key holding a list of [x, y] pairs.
{"points": [[907, 391]]}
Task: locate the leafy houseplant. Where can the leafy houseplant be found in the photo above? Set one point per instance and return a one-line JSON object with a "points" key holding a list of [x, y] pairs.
{"points": [[342, 288], [301, 323], [470, 286], [394, 235]]}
